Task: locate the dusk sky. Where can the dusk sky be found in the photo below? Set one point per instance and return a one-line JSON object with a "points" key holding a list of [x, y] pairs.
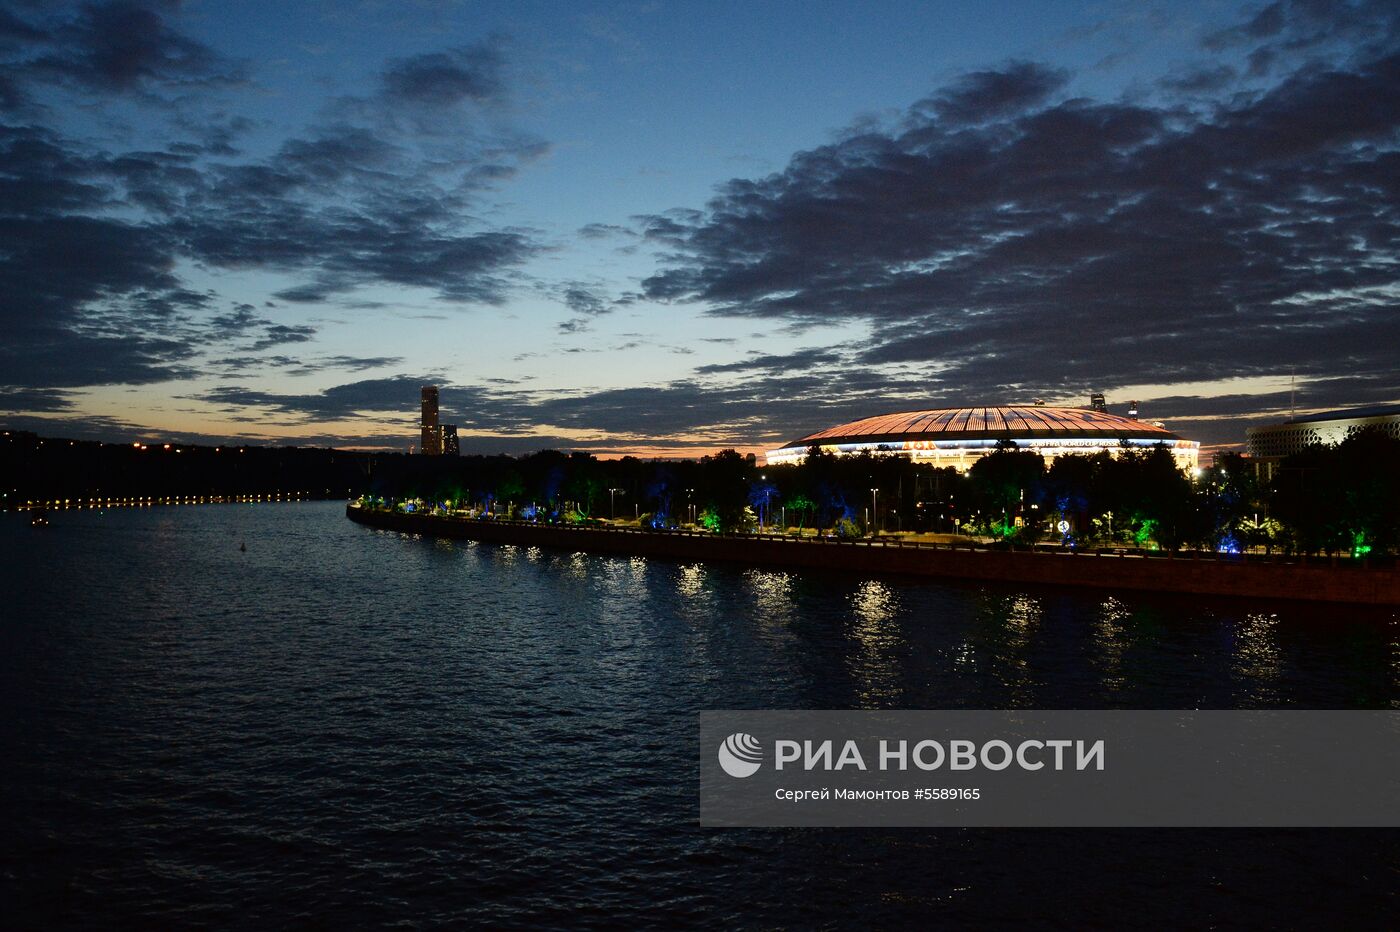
{"points": [[669, 228]]}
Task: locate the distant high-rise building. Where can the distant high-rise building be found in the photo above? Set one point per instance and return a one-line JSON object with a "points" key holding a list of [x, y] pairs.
{"points": [[1096, 402], [1132, 409], [450, 447], [431, 444]]}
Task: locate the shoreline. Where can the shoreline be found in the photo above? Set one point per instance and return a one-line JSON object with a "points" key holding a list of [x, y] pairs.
{"points": [[1187, 574]]}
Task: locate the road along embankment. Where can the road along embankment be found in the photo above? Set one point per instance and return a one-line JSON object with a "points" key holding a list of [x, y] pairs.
{"points": [[1258, 578]]}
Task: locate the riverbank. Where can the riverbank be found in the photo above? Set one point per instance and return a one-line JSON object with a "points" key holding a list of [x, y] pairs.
{"points": [[1198, 574]]}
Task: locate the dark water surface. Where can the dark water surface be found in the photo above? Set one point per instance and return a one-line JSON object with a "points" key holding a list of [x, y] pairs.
{"points": [[345, 727]]}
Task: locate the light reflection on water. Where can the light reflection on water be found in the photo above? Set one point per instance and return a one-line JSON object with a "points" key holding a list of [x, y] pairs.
{"points": [[691, 580], [1111, 628], [999, 644], [874, 602], [477, 722], [879, 644], [1258, 656], [771, 592]]}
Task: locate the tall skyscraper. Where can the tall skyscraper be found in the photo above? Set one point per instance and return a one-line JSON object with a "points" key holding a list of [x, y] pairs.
{"points": [[432, 432], [1097, 403], [450, 446]]}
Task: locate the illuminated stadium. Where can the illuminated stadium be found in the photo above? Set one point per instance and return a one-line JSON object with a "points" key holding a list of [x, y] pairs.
{"points": [[958, 437]]}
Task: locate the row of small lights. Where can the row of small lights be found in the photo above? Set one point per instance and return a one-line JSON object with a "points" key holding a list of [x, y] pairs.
{"points": [[137, 445], [141, 502], [163, 500]]}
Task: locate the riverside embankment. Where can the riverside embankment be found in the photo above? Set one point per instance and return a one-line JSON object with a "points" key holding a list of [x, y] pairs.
{"points": [[1259, 578]]}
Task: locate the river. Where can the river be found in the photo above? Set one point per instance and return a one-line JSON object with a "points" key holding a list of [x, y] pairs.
{"points": [[339, 726]]}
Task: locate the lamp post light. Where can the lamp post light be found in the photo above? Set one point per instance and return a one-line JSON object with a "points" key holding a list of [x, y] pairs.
{"points": [[874, 511], [612, 503]]}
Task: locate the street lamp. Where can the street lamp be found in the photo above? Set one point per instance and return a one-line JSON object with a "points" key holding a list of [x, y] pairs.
{"points": [[612, 503], [874, 512]]}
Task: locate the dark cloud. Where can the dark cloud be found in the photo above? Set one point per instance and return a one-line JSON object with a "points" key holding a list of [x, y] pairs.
{"points": [[785, 362], [13, 29], [236, 365], [1265, 24], [291, 365], [604, 231], [1301, 31], [498, 410], [688, 411], [278, 334], [1204, 79], [122, 46], [235, 322], [1010, 248], [351, 209], [52, 358], [83, 298], [581, 300], [358, 363], [353, 399], [767, 409], [11, 96], [443, 79], [986, 95], [82, 427], [33, 399], [243, 319]]}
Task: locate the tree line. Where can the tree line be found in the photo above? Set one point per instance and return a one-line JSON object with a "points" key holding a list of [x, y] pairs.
{"points": [[1338, 499]]}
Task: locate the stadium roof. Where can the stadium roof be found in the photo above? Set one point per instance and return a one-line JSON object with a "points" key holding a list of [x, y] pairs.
{"points": [[1030, 422]]}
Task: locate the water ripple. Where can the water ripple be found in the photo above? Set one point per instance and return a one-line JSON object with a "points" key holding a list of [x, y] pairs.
{"points": [[348, 727]]}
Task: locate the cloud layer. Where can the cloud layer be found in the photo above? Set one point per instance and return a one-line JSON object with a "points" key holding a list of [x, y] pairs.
{"points": [[1014, 240], [998, 239], [370, 194]]}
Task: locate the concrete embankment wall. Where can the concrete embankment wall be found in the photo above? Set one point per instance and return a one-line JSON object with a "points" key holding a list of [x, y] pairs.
{"points": [[1317, 582]]}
